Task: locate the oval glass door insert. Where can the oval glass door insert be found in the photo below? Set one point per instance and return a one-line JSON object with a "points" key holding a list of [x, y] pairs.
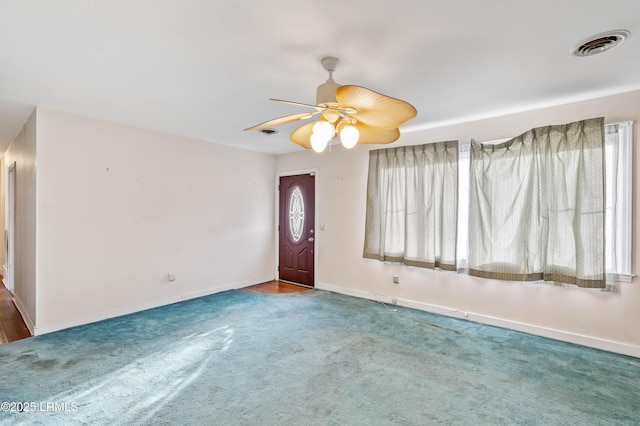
{"points": [[296, 214]]}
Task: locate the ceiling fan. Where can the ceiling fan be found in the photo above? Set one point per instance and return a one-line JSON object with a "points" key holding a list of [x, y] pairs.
{"points": [[354, 113]]}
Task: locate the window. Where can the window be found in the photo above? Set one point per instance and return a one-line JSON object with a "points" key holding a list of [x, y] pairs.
{"points": [[463, 208], [411, 205], [618, 169], [618, 196], [402, 183]]}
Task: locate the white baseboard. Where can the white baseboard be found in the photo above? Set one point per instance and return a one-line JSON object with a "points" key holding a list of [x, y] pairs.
{"points": [[5, 274], [28, 321], [565, 336], [49, 328]]}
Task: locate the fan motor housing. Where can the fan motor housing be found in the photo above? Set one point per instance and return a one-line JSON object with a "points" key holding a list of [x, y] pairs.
{"points": [[326, 92]]}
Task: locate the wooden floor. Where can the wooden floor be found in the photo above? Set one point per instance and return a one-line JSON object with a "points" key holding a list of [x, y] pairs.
{"points": [[275, 287], [12, 326]]}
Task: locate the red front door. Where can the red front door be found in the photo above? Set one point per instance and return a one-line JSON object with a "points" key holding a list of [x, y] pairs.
{"points": [[296, 229]]}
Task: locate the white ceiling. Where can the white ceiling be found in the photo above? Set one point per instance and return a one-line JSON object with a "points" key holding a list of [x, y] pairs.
{"points": [[206, 69]]}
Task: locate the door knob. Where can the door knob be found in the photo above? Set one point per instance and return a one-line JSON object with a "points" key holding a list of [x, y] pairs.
{"points": [[311, 239]]}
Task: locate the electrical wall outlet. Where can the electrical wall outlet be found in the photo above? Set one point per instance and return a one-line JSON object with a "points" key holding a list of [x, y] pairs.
{"points": [[172, 277], [396, 279], [394, 301]]}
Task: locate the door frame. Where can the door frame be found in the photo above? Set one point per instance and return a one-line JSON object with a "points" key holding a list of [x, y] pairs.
{"points": [[10, 226], [315, 219]]}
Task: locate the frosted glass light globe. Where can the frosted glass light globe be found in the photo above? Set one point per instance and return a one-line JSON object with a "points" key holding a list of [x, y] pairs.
{"points": [[349, 136], [318, 143], [324, 129]]}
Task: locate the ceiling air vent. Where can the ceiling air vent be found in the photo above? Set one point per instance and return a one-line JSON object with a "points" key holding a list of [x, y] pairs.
{"points": [[268, 131], [599, 43]]}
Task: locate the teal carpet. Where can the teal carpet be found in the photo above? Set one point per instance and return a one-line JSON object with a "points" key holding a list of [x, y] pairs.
{"points": [[312, 358]]}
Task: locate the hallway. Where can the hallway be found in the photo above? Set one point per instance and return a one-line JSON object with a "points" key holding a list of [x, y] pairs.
{"points": [[12, 326]]}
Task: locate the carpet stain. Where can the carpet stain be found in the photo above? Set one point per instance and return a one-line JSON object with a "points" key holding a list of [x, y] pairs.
{"points": [[27, 357], [44, 364], [32, 359], [71, 363], [438, 326]]}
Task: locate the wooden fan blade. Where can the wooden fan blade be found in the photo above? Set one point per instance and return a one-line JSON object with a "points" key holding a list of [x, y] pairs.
{"points": [[319, 108], [302, 135], [376, 135], [373, 108], [283, 120]]}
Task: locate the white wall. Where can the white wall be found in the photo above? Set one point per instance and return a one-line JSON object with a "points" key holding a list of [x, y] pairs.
{"points": [[605, 320], [23, 152], [3, 238], [121, 207]]}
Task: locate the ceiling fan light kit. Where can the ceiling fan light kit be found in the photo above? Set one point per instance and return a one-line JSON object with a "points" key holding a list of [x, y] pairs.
{"points": [[354, 113]]}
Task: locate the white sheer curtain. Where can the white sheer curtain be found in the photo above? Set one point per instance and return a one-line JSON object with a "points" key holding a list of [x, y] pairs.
{"points": [[412, 205], [537, 206]]}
